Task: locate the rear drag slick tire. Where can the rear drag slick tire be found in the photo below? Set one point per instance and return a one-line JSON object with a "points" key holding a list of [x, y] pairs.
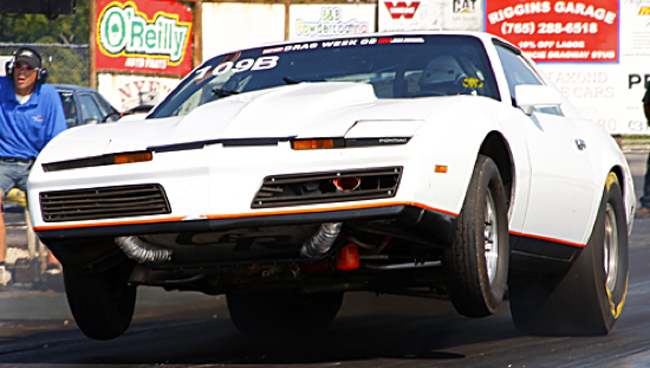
{"points": [[588, 299]]}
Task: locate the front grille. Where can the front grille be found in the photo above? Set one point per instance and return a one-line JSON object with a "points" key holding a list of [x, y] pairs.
{"points": [[104, 203], [314, 188]]}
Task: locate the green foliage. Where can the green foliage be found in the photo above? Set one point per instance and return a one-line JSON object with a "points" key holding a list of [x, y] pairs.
{"points": [[36, 28], [69, 66]]}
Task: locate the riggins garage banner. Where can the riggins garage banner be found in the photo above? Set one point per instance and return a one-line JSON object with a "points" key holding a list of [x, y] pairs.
{"points": [[558, 31], [144, 36]]}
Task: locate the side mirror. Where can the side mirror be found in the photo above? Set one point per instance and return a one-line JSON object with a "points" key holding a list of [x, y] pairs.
{"points": [[91, 121], [529, 96], [113, 116]]}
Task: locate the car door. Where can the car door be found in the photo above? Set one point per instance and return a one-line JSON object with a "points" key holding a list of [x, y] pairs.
{"points": [[69, 107], [561, 180]]}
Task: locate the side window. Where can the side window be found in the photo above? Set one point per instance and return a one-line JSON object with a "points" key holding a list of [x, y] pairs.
{"points": [[518, 71], [103, 111], [69, 108], [89, 108], [106, 109]]}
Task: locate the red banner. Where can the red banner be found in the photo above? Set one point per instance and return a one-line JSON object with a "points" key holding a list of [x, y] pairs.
{"points": [[557, 31], [401, 9], [144, 36]]}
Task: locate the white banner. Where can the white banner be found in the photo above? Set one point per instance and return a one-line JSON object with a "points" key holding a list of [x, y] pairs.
{"points": [[3, 63], [411, 15], [233, 26], [128, 91], [610, 93]]}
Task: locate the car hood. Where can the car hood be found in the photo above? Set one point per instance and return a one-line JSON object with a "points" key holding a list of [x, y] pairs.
{"points": [[303, 110]]}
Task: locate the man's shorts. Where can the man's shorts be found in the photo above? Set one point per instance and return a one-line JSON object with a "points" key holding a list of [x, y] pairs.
{"points": [[13, 175]]}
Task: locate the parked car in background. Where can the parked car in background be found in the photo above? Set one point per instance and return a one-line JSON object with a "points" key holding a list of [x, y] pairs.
{"points": [[148, 100], [84, 105]]}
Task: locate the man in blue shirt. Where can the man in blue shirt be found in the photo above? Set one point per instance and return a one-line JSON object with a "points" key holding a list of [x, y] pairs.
{"points": [[31, 114]]}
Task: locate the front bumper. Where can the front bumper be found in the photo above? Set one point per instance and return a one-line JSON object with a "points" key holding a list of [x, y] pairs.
{"points": [[411, 222]]}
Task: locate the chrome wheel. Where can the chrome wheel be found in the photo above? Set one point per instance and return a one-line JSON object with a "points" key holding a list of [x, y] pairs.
{"points": [[491, 236], [610, 248]]}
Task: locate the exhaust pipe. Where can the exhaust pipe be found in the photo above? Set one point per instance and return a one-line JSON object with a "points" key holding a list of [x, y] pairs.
{"points": [[322, 241], [141, 251]]}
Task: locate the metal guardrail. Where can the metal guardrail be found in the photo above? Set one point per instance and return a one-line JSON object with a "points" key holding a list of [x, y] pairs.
{"points": [[635, 145]]}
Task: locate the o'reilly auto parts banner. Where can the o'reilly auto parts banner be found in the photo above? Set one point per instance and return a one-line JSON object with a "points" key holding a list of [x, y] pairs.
{"points": [[144, 36], [558, 31]]}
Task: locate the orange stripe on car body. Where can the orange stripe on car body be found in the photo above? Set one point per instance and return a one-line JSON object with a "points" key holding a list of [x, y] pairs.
{"points": [[330, 209], [544, 238]]}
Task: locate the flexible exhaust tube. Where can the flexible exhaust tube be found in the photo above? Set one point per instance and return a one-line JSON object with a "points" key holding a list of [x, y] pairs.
{"points": [[141, 251], [322, 241]]}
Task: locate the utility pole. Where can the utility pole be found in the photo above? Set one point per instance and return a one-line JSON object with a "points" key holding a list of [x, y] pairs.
{"points": [[92, 42], [198, 33]]}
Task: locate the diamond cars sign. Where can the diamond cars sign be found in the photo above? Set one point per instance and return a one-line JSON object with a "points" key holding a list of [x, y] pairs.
{"points": [[144, 36]]}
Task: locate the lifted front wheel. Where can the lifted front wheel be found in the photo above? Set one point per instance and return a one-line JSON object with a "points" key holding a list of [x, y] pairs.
{"points": [[101, 303], [476, 265]]}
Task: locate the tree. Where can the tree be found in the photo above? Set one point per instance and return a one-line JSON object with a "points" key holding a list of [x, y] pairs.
{"points": [[36, 28]]}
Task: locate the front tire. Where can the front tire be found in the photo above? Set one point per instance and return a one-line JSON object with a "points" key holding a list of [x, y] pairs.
{"points": [[283, 313], [588, 299], [476, 265], [101, 303]]}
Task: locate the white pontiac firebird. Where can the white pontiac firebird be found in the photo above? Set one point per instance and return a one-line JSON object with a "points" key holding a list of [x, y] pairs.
{"points": [[436, 164]]}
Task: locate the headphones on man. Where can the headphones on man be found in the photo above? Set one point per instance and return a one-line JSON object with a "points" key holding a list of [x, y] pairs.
{"points": [[41, 77]]}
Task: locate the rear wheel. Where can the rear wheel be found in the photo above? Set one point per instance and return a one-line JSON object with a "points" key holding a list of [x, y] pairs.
{"points": [[476, 265], [588, 299], [101, 303], [283, 313]]}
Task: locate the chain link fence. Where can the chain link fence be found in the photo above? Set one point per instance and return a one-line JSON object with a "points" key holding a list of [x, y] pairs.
{"points": [[66, 64]]}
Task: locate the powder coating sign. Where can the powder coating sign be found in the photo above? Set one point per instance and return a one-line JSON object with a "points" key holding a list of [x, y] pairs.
{"points": [[313, 21], [144, 36], [558, 31]]}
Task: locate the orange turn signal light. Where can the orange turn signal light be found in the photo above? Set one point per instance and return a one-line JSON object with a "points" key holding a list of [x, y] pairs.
{"points": [[127, 158], [306, 144], [441, 169]]}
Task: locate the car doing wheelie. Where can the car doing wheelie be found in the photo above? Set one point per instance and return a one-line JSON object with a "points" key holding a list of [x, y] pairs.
{"points": [[435, 164]]}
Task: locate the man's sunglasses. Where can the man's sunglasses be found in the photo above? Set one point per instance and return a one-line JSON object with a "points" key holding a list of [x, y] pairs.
{"points": [[24, 66]]}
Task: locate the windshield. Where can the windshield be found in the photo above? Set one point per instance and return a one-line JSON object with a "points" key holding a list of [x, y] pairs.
{"points": [[396, 67]]}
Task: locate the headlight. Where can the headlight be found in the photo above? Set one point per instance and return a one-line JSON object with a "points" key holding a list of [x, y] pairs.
{"points": [[365, 133], [112, 159]]}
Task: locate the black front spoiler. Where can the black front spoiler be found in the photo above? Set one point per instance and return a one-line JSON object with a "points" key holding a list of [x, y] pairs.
{"points": [[422, 225]]}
